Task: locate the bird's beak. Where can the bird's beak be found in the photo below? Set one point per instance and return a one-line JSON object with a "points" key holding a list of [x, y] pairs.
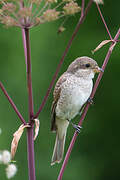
{"points": [[97, 69]]}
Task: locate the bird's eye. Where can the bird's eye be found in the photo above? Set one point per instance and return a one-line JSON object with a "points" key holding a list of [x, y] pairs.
{"points": [[87, 65]]}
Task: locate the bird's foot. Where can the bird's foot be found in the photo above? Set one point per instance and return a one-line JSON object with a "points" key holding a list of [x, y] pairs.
{"points": [[77, 127], [90, 101]]}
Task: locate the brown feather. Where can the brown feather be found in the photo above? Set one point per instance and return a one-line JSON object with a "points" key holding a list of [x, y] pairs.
{"points": [[56, 95]]}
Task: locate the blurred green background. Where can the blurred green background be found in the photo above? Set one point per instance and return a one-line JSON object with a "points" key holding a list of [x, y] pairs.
{"points": [[96, 153]]}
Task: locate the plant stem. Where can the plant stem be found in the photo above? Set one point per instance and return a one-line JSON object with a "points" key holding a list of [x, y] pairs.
{"points": [[31, 159], [30, 140], [88, 104], [103, 21], [12, 103], [24, 45], [82, 7], [29, 80], [82, 18]]}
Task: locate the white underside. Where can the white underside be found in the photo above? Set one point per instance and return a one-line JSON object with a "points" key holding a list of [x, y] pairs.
{"points": [[74, 95]]}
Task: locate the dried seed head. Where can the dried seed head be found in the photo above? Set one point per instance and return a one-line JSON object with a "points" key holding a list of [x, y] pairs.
{"points": [[51, 1], [9, 7], [25, 12], [99, 1], [71, 8], [61, 29], [50, 15], [11, 14], [8, 21]]}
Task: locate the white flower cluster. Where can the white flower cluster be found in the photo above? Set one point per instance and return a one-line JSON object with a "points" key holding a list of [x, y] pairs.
{"points": [[11, 170], [98, 1], [5, 158]]}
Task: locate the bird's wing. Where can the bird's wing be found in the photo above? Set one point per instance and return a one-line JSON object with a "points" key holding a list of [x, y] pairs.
{"points": [[56, 95]]}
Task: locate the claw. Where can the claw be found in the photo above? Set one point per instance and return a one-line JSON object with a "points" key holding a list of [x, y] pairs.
{"points": [[90, 100], [77, 127]]}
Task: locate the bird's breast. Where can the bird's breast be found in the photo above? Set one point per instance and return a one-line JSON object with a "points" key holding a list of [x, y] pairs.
{"points": [[74, 94]]}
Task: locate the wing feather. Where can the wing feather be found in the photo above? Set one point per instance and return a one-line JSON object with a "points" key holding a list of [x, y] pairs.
{"points": [[56, 95]]}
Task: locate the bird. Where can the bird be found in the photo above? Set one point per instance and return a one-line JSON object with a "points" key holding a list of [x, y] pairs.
{"points": [[71, 92]]}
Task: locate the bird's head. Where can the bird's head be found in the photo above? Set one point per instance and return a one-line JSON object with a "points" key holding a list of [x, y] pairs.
{"points": [[84, 67]]}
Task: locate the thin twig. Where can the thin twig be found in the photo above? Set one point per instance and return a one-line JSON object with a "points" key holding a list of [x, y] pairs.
{"points": [[63, 57], [87, 106], [103, 20], [12, 104], [82, 7]]}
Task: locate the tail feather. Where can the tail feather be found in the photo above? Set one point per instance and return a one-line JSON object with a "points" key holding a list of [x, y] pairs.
{"points": [[58, 149], [61, 131]]}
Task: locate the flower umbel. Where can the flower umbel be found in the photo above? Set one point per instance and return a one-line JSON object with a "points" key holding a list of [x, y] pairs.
{"points": [[71, 8], [50, 15], [32, 13]]}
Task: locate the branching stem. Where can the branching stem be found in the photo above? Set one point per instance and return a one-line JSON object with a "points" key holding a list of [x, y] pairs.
{"points": [[12, 103], [29, 80], [30, 140], [103, 21], [82, 18], [87, 106]]}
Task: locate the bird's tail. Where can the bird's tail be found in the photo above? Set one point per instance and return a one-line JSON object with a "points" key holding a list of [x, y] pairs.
{"points": [[58, 150], [60, 142]]}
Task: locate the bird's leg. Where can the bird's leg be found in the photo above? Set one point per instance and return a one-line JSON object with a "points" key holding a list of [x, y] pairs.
{"points": [[77, 127], [90, 101]]}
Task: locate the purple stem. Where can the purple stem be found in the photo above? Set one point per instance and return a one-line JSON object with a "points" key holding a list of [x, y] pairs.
{"points": [[31, 158], [103, 21], [82, 7], [24, 45], [29, 80], [12, 103], [63, 57], [30, 139], [87, 106]]}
